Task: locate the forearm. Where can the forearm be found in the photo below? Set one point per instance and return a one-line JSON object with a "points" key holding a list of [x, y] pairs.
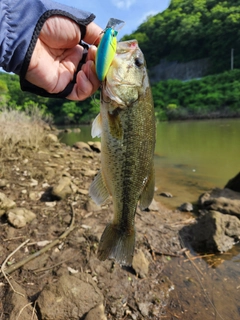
{"points": [[20, 25]]}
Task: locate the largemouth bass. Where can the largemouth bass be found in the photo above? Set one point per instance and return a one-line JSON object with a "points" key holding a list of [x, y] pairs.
{"points": [[126, 124]]}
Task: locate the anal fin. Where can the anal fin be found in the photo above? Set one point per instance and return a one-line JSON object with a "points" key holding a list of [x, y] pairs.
{"points": [[148, 191], [98, 190]]}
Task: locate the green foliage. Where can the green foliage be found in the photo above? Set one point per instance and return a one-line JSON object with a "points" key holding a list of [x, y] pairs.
{"points": [[211, 96], [187, 30], [62, 110], [192, 29]]}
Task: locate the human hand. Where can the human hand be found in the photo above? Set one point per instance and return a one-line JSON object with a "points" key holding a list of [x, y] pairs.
{"points": [[57, 54]]}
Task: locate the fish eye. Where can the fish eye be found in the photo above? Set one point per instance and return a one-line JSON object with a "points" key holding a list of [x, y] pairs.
{"points": [[138, 62]]}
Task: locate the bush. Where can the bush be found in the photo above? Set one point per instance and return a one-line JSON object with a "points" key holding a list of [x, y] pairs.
{"points": [[211, 96], [21, 131]]}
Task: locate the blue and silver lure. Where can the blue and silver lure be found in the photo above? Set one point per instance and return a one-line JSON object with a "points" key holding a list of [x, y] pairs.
{"points": [[107, 47]]}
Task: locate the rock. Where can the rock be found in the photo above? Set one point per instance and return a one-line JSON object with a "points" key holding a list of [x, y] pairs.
{"points": [[83, 191], [214, 232], [70, 298], [50, 204], [222, 200], [19, 217], [96, 313], [67, 130], [77, 130], [62, 189], [33, 183], [34, 195], [95, 146], [186, 207], [17, 306], [5, 204], [154, 206], [82, 145], [74, 188], [92, 206], [52, 137], [89, 173], [234, 183], [3, 183], [144, 308], [166, 194], [140, 264]]}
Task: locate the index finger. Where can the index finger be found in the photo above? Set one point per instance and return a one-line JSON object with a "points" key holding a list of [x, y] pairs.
{"points": [[93, 33]]}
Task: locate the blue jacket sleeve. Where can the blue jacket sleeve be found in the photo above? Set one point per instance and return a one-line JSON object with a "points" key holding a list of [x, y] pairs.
{"points": [[20, 24]]}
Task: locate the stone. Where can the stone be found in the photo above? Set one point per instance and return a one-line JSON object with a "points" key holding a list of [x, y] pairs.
{"points": [[234, 183], [52, 137], [144, 308], [17, 306], [62, 189], [74, 188], [166, 194], [33, 183], [34, 195], [19, 217], [92, 206], [154, 206], [5, 203], [82, 145], [186, 207], [83, 191], [89, 173], [222, 200], [71, 297], [77, 130], [95, 146], [96, 313], [215, 232], [140, 264], [3, 183]]}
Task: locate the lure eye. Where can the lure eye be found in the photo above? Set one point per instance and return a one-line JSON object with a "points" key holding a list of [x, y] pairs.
{"points": [[138, 62]]}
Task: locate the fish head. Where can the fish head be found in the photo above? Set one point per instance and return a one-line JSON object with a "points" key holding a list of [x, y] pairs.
{"points": [[127, 76]]}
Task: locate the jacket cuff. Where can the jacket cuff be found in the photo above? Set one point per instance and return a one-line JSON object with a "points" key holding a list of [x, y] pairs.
{"points": [[20, 24]]}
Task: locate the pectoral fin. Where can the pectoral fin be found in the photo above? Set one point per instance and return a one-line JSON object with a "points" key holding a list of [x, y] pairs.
{"points": [[98, 191], [148, 191], [97, 127]]}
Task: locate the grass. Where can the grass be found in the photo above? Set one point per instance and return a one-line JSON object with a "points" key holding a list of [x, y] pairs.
{"points": [[21, 131]]}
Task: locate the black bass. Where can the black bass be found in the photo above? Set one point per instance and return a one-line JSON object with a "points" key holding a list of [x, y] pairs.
{"points": [[126, 124]]}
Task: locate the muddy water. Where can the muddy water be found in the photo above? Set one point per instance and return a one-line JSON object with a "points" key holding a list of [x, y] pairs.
{"points": [[191, 158]]}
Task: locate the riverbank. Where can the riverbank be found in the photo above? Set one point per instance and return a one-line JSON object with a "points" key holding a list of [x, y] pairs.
{"points": [[50, 235], [38, 189]]}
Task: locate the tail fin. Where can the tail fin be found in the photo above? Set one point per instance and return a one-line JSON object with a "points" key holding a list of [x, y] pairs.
{"points": [[117, 244]]}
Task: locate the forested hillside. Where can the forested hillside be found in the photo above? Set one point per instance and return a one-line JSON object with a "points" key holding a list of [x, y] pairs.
{"points": [[193, 29], [187, 30]]}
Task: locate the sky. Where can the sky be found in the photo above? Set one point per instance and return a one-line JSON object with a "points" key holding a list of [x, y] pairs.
{"points": [[133, 12]]}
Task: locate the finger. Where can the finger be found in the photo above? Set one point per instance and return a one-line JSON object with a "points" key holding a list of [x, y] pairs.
{"points": [[92, 51], [86, 83], [93, 33]]}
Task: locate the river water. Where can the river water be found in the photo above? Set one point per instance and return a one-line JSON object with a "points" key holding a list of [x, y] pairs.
{"points": [[192, 157]]}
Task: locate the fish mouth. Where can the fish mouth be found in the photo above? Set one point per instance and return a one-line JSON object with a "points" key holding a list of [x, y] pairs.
{"points": [[126, 46]]}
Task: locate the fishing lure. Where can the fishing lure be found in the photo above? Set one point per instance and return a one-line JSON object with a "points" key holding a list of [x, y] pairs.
{"points": [[107, 47]]}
